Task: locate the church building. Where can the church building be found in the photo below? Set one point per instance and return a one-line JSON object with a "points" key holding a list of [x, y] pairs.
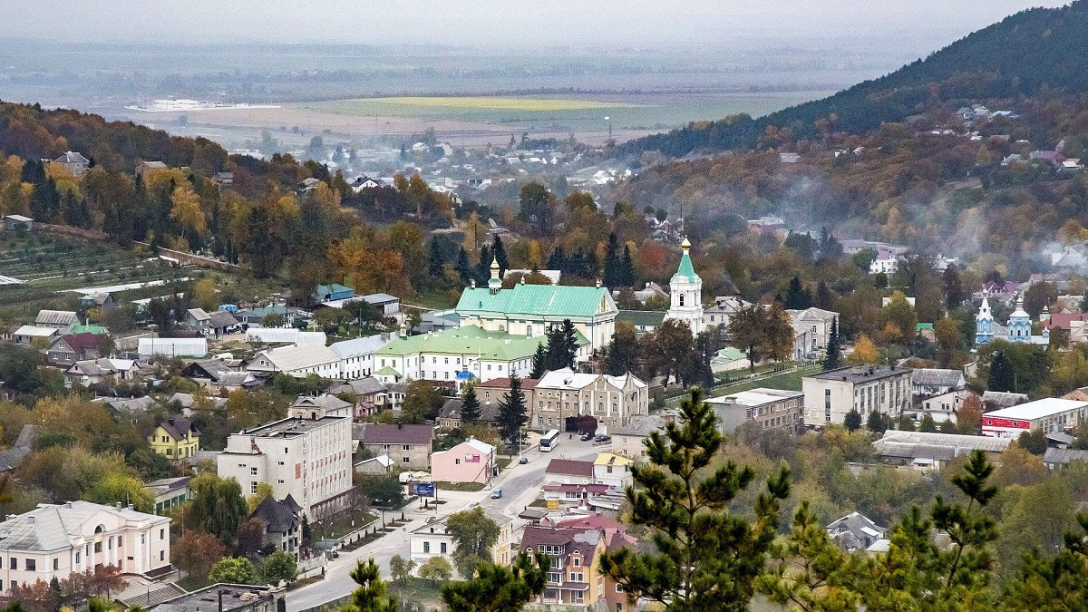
{"points": [[686, 294], [530, 310], [1018, 330]]}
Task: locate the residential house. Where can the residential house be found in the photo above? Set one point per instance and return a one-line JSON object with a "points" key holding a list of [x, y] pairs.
{"points": [[388, 305], [282, 524], [363, 182], [221, 322], [644, 321], [172, 347], [864, 389], [169, 493], [811, 330], [408, 445], [569, 471], [190, 402], [375, 466], [855, 532], [308, 459], [996, 400], [433, 539], [650, 290], [100, 300], [70, 348], [723, 310], [612, 470], [769, 409], [449, 416], [149, 166], [320, 406], [886, 262], [569, 495], [57, 319], [27, 334], [729, 359], [73, 162], [297, 360], [563, 394], [1062, 457], [99, 371], [469, 461], [628, 440], [197, 319], [928, 382], [56, 541], [256, 316], [574, 578], [369, 395], [218, 374], [175, 438]]}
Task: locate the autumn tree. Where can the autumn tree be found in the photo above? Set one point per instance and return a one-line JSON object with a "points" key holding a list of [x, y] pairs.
{"points": [[195, 553], [864, 352], [667, 347], [233, 570], [969, 415], [437, 570], [707, 557]]}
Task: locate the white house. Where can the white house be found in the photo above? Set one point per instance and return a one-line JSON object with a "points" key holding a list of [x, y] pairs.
{"points": [[298, 360]]}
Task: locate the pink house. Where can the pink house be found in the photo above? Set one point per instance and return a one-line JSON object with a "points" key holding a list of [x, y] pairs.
{"points": [[469, 461]]}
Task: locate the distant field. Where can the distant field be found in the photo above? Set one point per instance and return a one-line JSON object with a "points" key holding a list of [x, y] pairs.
{"points": [[366, 105]]}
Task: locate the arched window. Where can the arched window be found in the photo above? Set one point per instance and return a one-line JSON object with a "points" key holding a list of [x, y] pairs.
{"points": [[681, 299]]}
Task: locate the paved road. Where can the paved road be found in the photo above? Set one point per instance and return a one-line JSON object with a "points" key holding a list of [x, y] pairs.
{"points": [[520, 485]]}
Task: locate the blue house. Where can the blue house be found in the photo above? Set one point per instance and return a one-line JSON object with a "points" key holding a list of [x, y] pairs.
{"points": [[332, 293]]}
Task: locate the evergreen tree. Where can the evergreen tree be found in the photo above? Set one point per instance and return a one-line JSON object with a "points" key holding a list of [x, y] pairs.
{"points": [[875, 423], [852, 420], [928, 425], [797, 296], [833, 357], [707, 557], [512, 416], [370, 596], [1002, 375], [568, 352], [621, 356], [954, 294], [540, 361], [823, 297], [497, 588], [470, 406], [483, 268], [627, 268], [612, 271], [576, 264], [558, 260], [435, 261], [498, 253], [464, 268]]}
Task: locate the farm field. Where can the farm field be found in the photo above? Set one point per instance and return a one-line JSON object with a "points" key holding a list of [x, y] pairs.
{"points": [[51, 266]]}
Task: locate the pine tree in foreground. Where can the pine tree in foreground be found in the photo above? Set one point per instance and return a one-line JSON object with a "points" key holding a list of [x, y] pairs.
{"points": [[707, 558]]}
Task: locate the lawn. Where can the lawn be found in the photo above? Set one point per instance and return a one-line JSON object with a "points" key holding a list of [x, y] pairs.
{"points": [[790, 381], [342, 524], [459, 486]]}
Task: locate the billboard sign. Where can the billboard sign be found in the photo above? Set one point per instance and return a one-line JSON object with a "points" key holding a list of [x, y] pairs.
{"points": [[424, 489]]}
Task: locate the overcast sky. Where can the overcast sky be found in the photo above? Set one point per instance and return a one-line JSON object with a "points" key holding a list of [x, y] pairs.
{"points": [[590, 23]]}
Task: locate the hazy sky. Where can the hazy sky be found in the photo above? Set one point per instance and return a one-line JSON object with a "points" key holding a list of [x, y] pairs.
{"points": [[599, 23]]}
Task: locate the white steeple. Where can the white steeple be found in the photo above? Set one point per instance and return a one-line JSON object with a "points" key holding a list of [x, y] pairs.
{"points": [[686, 293]]}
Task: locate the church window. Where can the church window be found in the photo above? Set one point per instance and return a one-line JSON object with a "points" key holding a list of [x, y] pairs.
{"points": [[681, 299]]}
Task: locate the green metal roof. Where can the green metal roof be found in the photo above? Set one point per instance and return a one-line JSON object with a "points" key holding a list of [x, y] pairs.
{"points": [[922, 326], [469, 340], [333, 288], [641, 318], [686, 271], [729, 354], [97, 330], [387, 371], [551, 301]]}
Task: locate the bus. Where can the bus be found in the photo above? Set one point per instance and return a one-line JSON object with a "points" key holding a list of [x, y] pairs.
{"points": [[549, 441]]}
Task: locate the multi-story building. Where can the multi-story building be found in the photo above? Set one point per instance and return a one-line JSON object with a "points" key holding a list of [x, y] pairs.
{"points": [[409, 446], [282, 524], [175, 438], [769, 408], [55, 541], [357, 355], [612, 400], [811, 330], [306, 458], [829, 396], [574, 577], [434, 540], [298, 360], [1049, 415], [627, 441], [169, 492], [459, 356], [530, 310], [469, 461]]}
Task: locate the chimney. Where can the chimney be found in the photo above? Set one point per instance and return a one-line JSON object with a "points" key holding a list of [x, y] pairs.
{"points": [[30, 519], [130, 506], [400, 425], [117, 506]]}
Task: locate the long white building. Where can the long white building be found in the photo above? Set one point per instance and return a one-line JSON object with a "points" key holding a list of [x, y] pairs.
{"points": [[306, 458], [55, 541]]}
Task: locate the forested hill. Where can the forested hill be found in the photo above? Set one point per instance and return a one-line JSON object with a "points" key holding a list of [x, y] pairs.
{"points": [[1027, 53]]}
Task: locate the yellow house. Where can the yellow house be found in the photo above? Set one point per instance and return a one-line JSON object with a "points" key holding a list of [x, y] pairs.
{"points": [[175, 438]]}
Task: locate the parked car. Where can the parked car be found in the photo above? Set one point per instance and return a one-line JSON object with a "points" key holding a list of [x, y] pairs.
{"points": [[586, 437], [523, 461], [603, 438], [496, 494]]}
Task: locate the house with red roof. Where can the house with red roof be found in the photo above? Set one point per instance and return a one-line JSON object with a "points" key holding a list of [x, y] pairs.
{"points": [[70, 348]]}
